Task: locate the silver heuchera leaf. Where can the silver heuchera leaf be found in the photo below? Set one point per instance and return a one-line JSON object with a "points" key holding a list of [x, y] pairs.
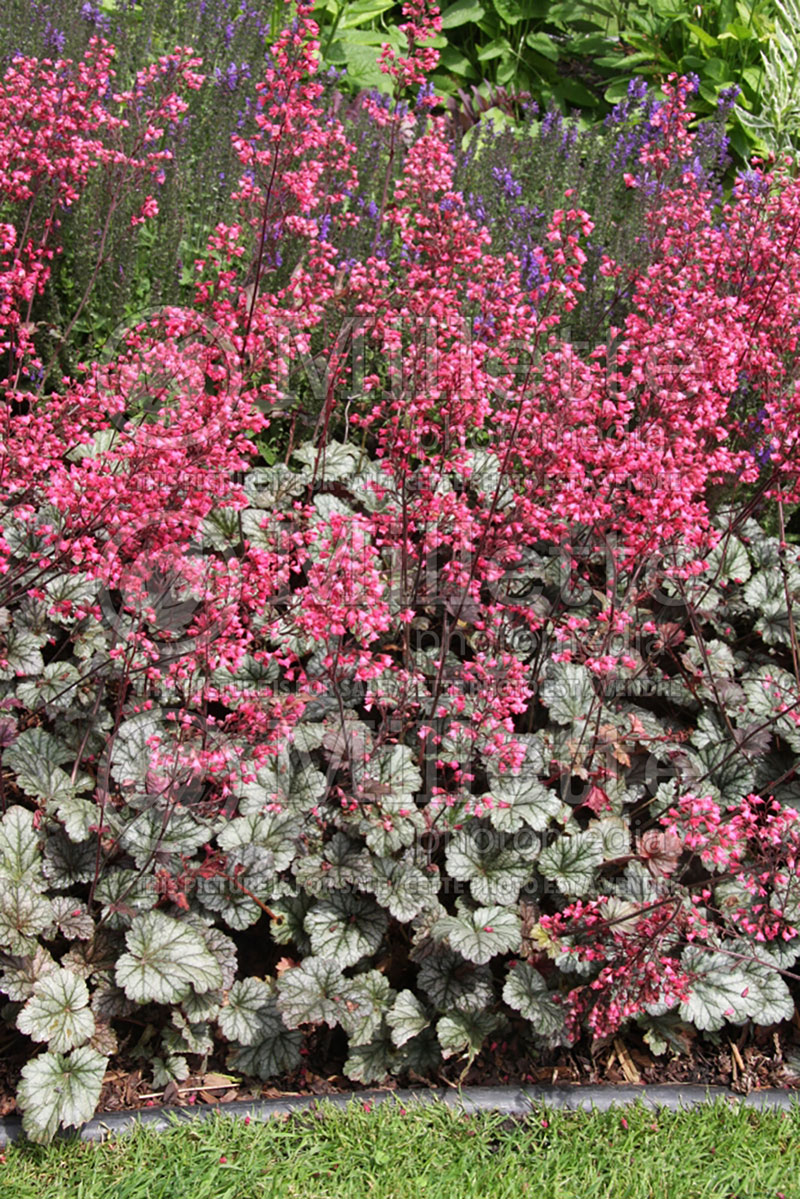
{"points": [[21, 974], [404, 888], [495, 870], [174, 1068], [78, 815], [571, 861], [526, 991], [241, 1017], [276, 831], [60, 1089], [20, 851], [344, 863], [522, 800], [166, 959], [66, 863], [54, 687], [480, 934], [364, 1000], [334, 461], [158, 830], [465, 1032], [345, 927], [186, 1036], [717, 990], [275, 1050], [249, 868], [131, 754], [36, 758], [71, 918], [390, 771], [124, 894], [22, 654], [768, 998], [311, 993], [568, 693], [372, 1061], [407, 1018], [24, 915], [451, 983], [199, 1009], [58, 1012]]}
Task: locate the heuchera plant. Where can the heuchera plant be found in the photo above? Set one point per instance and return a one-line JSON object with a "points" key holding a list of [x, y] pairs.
{"points": [[476, 710]]}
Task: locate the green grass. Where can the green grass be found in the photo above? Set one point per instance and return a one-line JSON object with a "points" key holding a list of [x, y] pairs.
{"points": [[628, 1153]]}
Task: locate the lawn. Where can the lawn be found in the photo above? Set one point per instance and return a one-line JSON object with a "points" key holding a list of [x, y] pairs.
{"points": [[390, 1153]]}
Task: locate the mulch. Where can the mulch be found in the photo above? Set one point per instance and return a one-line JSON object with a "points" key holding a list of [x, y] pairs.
{"points": [[756, 1058]]}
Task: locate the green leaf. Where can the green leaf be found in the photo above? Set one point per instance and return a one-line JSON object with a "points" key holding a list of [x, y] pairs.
{"points": [[571, 861], [60, 1090], [705, 38], [407, 1018], [509, 11], [543, 44], [462, 12], [362, 12], [58, 1012], [465, 1032], [311, 993], [166, 959], [345, 927], [526, 991], [481, 934], [20, 851], [499, 47]]}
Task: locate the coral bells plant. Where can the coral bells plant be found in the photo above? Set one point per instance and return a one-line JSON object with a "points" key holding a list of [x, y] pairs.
{"points": [[382, 669]]}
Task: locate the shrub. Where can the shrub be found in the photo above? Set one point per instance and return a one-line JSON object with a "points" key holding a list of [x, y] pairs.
{"points": [[477, 707]]}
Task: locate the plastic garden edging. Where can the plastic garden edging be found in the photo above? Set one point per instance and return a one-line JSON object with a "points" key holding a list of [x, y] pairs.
{"points": [[511, 1101]]}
